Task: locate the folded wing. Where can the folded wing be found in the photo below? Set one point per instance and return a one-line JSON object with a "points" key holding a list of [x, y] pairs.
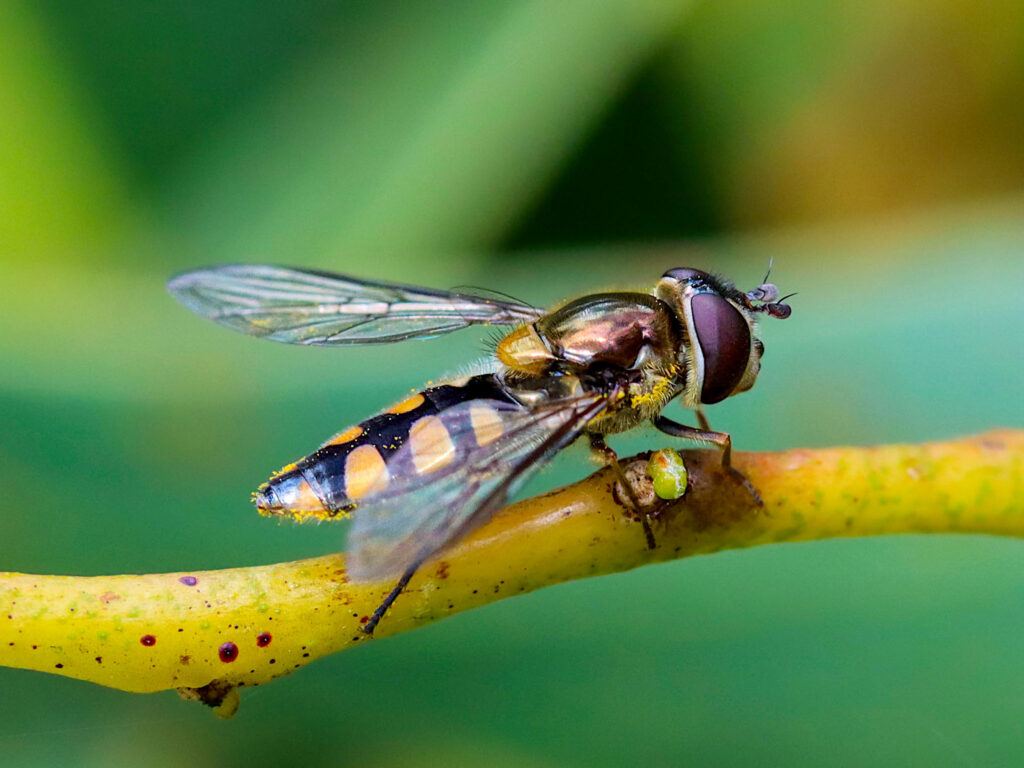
{"points": [[451, 483]]}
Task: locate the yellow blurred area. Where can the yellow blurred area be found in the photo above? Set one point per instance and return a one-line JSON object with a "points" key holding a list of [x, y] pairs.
{"points": [[920, 103], [60, 185]]}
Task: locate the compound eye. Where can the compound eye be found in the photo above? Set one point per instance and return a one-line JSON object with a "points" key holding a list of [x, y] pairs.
{"points": [[685, 274], [724, 338]]}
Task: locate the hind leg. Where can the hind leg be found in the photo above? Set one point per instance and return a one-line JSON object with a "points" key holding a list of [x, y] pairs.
{"points": [[378, 614], [607, 454]]}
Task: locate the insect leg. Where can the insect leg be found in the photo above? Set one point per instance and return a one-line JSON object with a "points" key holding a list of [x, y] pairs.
{"points": [[721, 439], [403, 581], [566, 432], [608, 455], [378, 614], [702, 420]]}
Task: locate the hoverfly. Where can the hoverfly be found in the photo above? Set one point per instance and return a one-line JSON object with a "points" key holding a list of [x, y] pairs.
{"points": [[438, 464]]}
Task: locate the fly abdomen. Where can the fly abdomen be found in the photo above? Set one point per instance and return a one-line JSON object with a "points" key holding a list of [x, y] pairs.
{"points": [[367, 459]]}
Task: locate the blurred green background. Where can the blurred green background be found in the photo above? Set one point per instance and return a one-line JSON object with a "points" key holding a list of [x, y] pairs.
{"points": [[543, 148]]}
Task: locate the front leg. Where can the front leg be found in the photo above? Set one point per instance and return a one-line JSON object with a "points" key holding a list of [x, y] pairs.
{"points": [[704, 435]]}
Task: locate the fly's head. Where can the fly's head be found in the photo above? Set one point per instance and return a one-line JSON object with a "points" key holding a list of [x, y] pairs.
{"points": [[721, 350]]}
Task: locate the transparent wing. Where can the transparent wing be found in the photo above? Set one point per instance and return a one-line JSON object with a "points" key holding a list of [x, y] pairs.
{"points": [[418, 516], [298, 306]]}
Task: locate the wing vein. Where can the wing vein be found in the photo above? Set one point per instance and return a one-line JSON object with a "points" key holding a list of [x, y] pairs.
{"points": [[301, 307]]}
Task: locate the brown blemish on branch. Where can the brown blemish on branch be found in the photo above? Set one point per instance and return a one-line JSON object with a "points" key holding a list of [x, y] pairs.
{"points": [[220, 695], [311, 608]]}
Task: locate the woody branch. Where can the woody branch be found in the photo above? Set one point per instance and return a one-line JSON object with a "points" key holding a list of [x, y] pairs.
{"points": [[208, 633]]}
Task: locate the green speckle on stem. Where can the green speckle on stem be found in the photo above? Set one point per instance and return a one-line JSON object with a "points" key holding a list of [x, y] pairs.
{"points": [[984, 492]]}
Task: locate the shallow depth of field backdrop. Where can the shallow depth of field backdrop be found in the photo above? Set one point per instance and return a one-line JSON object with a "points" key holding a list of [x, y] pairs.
{"points": [[543, 148]]}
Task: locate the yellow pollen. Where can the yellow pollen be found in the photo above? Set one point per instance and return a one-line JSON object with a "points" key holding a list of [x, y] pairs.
{"points": [[656, 395], [284, 469], [305, 499], [300, 499]]}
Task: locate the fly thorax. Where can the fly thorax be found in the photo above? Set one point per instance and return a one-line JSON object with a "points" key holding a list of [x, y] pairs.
{"points": [[619, 331]]}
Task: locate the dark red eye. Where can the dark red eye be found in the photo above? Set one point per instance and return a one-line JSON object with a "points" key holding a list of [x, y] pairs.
{"points": [[724, 339]]}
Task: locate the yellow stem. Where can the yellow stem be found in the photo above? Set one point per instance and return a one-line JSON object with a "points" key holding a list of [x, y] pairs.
{"points": [[208, 632]]}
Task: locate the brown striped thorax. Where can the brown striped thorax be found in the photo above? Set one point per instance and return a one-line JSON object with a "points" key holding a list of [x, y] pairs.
{"points": [[437, 464]]}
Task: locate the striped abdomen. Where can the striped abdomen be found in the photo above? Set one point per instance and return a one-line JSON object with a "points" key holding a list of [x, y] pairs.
{"points": [[365, 459]]}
